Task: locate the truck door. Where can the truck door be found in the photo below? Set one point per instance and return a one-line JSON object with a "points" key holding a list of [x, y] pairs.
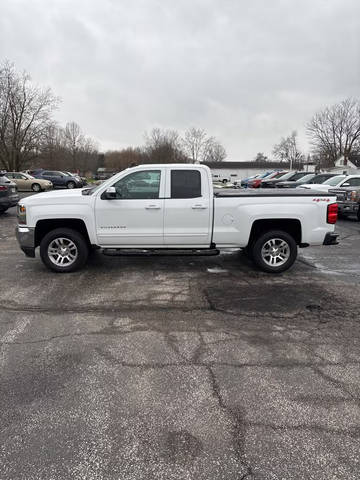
{"points": [[136, 216], [187, 218]]}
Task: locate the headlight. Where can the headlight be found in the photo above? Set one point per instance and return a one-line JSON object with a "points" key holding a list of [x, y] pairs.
{"points": [[21, 214]]}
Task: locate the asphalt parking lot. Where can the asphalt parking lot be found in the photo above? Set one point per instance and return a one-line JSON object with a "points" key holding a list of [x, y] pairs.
{"points": [[180, 368]]}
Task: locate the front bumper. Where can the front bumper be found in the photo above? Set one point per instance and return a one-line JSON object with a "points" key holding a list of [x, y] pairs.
{"points": [[348, 208], [26, 238], [331, 239]]}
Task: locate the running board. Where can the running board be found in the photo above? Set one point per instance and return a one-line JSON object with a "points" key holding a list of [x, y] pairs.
{"points": [[134, 252]]}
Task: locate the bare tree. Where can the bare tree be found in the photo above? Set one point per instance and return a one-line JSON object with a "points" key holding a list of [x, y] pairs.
{"points": [[261, 158], [335, 131], [287, 150], [25, 115], [163, 146], [118, 160], [201, 148], [74, 141], [194, 143], [52, 148], [213, 151]]}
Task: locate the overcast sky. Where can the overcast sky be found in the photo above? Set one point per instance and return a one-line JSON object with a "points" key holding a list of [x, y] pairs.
{"points": [[248, 72]]}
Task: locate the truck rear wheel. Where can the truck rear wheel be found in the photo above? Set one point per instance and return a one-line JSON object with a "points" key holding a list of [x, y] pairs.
{"points": [[274, 251], [64, 250]]}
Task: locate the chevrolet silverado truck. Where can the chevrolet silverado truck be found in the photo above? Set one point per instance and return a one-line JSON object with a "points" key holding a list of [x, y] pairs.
{"points": [[173, 209], [348, 200]]}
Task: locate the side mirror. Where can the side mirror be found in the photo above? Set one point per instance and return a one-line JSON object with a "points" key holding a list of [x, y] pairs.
{"points": [[347, 184], [109, 194]]}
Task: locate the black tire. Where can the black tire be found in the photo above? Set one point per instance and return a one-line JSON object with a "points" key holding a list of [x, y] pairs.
{"points": [[2, 210], [70, 185], [277, 236], [35, 187], [72, 236]]}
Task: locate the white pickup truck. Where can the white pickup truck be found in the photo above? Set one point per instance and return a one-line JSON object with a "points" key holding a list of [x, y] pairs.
{"points": [[173, 208]]}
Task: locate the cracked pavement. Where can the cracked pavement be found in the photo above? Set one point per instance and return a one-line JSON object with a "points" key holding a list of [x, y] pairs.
{"points": [[180, 368]]}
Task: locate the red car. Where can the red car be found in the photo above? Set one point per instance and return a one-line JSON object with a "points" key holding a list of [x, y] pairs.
{"points": [[256, 182]]}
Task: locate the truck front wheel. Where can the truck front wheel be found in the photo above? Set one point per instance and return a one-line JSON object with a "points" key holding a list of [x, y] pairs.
{"points": [[64, 250], [274, 251]]}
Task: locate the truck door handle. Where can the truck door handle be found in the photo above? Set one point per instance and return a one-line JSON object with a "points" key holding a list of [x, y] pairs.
{"points": [[199, 206], [152, 207]]}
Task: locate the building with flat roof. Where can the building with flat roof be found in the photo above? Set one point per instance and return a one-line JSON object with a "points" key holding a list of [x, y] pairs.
{"points": [[235, 171]]}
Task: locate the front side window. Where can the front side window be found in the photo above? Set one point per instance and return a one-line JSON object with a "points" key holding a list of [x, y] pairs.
{"points": [[139, 185], [353, 182], [185, 184]]}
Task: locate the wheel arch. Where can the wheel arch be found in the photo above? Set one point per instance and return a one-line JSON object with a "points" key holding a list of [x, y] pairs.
{"points": [[45, 226], [292, 226]]}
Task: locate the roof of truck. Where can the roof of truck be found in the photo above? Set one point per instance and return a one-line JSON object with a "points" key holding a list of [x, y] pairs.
{"points": [[171, 165]]}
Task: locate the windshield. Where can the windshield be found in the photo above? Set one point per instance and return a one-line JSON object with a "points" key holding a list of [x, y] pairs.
{"points": [[334, 180], [306, 178], [286, 176], [297, 176]]}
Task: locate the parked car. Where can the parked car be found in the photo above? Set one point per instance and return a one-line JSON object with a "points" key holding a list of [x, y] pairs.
{"points": [[173, 208], [82, 179], [337, 181], [348, 200], [307, 180], [245, 181], [9, 196], [26, 182], [256, 183], [225, 185], [59, 179], [290, 177], [287, 184]]}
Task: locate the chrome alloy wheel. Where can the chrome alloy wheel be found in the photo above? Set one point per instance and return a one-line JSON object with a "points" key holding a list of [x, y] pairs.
{"points": [[62, 252], [275, 252]]}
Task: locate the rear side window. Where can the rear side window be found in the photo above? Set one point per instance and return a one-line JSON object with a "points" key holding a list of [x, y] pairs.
{"points": [[185, 184]]}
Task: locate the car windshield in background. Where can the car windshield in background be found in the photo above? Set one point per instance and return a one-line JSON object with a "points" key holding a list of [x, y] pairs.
{"points": [[286, 176], [306, 178], [334, 180], [297, 176]]}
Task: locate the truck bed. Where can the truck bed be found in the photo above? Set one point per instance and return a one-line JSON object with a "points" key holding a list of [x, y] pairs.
{"points": [[271, 192]]}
